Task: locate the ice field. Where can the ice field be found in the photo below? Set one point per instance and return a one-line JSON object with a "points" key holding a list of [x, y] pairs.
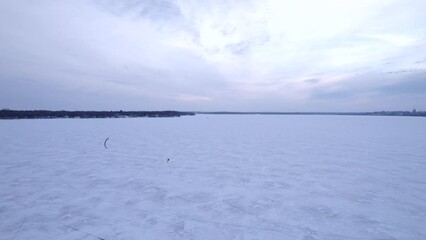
{"points": [[229, 177]]}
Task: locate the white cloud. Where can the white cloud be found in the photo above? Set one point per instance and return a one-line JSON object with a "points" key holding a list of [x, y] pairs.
{"points": [[220, 52]]}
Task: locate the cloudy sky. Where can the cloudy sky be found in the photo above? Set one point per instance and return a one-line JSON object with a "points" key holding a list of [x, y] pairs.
{"points": [[241, 55]]}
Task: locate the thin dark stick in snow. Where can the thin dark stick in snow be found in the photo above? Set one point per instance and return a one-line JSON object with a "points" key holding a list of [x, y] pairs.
{"points": [[105, 143]]}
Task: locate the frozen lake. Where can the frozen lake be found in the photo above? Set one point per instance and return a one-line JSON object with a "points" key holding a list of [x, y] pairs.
{"points": [[229, 177]]}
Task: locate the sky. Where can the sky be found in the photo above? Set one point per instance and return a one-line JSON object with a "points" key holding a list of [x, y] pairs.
{"points": [[213, 55]]}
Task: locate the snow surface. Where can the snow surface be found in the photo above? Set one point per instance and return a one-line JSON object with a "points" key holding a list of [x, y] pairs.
{"points": [[229, 177]]}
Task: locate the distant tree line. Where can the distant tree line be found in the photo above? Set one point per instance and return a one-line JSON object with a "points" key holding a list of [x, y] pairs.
{"points": [[35, 114], [413, 113]]}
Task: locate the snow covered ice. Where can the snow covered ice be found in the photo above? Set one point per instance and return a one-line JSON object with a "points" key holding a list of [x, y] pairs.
{"points": [[228, 177]]}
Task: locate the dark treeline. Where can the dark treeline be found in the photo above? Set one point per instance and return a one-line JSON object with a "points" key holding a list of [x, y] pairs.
{"points": [[35, 114]]}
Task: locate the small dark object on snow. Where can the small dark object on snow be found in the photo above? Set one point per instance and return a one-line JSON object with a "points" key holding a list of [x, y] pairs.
{"points": [[168, 159], [105, 143]]}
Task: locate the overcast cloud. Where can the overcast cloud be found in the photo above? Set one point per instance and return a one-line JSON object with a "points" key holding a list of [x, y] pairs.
{"points": [[259, 55]]}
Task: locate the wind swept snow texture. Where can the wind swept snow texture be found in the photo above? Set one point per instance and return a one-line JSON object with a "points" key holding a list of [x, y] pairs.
{"points": [[230, 177]]}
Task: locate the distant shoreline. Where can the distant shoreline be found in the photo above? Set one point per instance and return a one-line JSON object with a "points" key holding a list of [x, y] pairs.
{"points": [[381, 113], [46, 114]]}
